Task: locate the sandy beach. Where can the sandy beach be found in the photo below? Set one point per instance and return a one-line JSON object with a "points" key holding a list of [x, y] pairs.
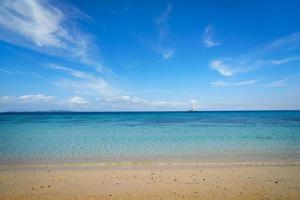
{"points": [[182, 181]]}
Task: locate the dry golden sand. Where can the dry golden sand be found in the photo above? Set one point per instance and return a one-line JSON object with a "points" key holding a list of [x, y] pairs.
{"points": [[148, 182]]}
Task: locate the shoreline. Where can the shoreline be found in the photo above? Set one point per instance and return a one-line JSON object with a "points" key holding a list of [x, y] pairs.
{"points": [[143, 164]]}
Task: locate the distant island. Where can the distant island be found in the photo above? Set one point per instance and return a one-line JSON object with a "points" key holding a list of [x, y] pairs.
{"points": [[192, 110]]}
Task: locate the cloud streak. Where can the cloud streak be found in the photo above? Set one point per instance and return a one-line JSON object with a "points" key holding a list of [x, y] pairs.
{"points": [[208, 37], [282, 82], [259, 57], [162, 24], [222, 68], [163, 21], [81, 82], [277, 83], [41, 26], [166, 53], [232, 84]]}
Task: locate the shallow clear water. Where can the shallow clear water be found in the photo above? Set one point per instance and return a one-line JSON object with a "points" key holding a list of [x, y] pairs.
{"points": [[255, 135]]}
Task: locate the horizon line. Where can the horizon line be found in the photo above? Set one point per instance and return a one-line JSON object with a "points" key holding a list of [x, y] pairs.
{"points": [[137, 111]]}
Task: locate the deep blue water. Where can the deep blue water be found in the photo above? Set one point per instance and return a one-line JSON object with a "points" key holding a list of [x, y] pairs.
{"points": [[73, 136]]}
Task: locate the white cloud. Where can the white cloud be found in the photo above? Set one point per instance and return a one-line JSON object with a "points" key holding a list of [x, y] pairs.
{"points": [[35, 22], [195, 104], [83, 82], [146, 104], [222, 68], [121, 102], [29, 98], [93, 87], [162, 24], [7, 99], [5, 71], [259, 57], [32, 98], [192, 104], [207, 37], [41, 26], [76, 101], [34, 102], [230, 84], [167, 104], [21, 73], [278, 83], [167, 53], [289, 43], [283, 81], [163, 20], [73, 72], [285, 60], [129, 99]]}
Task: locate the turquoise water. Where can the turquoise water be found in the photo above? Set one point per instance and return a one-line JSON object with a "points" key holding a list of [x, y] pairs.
{"points": [[90, 137]]}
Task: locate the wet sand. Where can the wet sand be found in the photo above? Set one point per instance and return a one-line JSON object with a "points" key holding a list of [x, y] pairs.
{"points": [[152, 182]]}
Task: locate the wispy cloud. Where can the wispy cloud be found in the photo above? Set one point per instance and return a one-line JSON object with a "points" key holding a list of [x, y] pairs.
{"points": [[166, 52], [21, 73], [259, 57], [222, 68], [5, 71], [285, 60], [289, 43], [231, 84], [162, 23], [277, 83], [282, 82], [73, 72], [208, 37], [44, 27], [81, 82]]}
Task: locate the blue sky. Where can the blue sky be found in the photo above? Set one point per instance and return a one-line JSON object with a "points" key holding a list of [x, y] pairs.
{"points": [[149, 55]]}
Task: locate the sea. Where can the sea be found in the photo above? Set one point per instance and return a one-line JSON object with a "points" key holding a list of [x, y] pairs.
{"points": [[205, 136]]}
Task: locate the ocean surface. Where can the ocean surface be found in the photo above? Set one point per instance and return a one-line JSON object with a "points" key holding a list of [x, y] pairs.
{"points": [[143, 136]]}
